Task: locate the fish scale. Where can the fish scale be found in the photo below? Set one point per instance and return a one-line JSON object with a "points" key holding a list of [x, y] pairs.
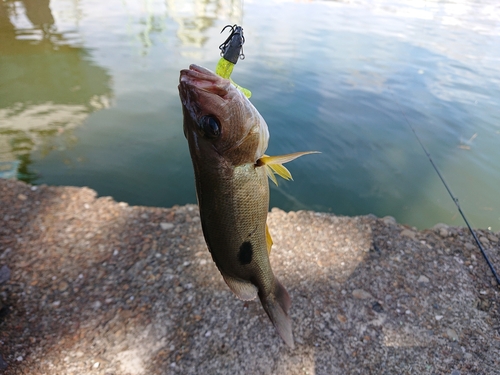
{"points": [[227, 139]]}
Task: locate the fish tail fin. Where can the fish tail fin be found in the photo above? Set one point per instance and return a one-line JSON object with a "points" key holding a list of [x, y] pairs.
{"points": [[276, 305]]}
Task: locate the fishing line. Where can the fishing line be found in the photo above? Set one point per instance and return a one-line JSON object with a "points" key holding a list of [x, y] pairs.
{"points": [[455, 200]]}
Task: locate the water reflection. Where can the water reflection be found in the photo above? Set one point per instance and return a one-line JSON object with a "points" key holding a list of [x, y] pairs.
{"points": [[196, 17], [39, 14], [324, 74], [47, 86]]}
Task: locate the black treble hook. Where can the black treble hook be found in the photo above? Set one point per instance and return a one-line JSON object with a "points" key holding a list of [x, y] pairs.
{"points": [[232, 48]]}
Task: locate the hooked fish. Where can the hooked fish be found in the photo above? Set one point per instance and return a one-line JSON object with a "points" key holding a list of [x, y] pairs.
{"points": [[227, 139]]}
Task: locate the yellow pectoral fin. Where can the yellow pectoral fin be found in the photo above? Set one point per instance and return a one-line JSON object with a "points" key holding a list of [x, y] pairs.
{"points": [[270, 174], [282, 159], [269, 240], [281, 171], [274, 164]]}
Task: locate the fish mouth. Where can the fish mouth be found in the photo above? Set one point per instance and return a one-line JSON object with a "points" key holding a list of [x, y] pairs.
{"points": [[200, 78]]}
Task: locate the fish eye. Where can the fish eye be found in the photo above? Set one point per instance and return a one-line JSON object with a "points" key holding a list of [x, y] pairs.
{"points": [[210, 126]]}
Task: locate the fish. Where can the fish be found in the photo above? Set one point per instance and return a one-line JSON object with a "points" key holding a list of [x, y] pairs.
{"points": [[227, 140]]}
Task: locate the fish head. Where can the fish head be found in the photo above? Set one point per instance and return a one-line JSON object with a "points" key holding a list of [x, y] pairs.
{"points": [[219, 120]]}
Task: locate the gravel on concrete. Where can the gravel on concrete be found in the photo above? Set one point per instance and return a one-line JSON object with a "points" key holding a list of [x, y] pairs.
{"points": [[92, 286]]}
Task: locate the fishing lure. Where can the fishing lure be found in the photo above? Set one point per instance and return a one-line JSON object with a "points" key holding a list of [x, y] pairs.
{"points": [[232, 50]]}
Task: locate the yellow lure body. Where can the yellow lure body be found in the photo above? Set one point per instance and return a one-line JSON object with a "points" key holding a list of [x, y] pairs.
{"points": [[224, 69]]}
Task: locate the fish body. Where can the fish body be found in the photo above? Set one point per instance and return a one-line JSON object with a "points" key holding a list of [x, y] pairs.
{"points": [[227, 139]]}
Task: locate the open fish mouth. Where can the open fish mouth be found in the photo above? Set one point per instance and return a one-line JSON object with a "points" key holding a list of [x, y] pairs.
{"points": [[199, 78]]}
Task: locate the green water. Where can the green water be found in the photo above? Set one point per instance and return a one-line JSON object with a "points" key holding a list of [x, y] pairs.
{"points": [[88, 97]]}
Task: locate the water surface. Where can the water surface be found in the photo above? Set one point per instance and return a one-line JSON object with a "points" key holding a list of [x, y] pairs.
{"points": [[88, 97]]}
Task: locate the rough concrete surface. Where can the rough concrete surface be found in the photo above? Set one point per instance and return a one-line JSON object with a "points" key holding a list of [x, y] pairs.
{"points": [[91, 286]]}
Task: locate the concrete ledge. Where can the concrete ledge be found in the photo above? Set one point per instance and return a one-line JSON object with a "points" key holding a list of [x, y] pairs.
{"points": [[100, 287]]}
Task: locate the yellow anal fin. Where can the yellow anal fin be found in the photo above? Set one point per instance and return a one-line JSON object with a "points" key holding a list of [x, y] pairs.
{"points": [[269, 240], [274, 164]]}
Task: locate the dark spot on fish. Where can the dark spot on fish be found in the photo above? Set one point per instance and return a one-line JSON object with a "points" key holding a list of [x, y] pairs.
{"points": [[246, 252]]}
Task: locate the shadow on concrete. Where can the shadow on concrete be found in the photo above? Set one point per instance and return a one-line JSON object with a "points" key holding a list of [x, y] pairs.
{"points": [[101, 286]]}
